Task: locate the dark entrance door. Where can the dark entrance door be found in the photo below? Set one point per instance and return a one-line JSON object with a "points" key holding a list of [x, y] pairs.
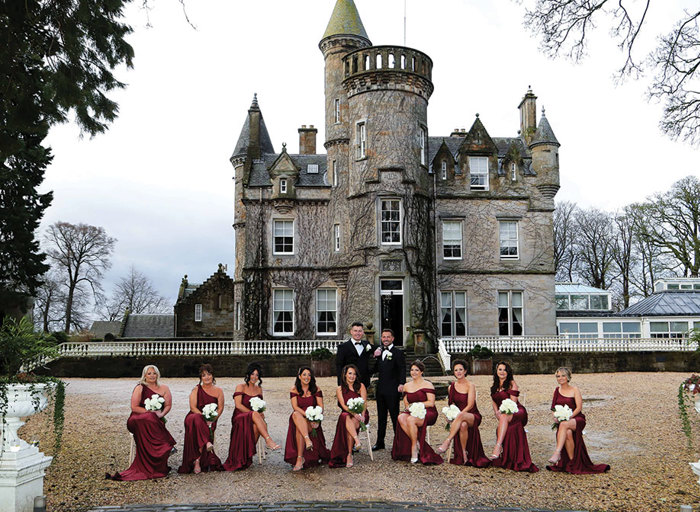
{"points": [[392, 308]]}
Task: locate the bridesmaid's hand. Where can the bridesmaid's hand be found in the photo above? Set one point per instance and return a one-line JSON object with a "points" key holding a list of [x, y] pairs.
{"points": [[359, 418], [159, 414], [314, 424]]}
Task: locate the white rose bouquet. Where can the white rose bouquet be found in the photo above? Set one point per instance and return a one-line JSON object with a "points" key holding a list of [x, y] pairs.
{"points": [[210, 413], [417, 410], [257, 404], [357, 406], [315, 415], [155, 403], [450, 413], [508, 406], [561, 413]]}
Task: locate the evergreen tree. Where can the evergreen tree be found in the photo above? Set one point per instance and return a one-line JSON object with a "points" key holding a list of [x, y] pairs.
{"points": [[56, 57]]}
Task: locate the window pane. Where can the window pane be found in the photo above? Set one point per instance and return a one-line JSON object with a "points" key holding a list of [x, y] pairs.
{"points": [[502, 299], [588, 327], [446, 300], [631, 327], [612, 327], [679, 327], [579, 302], [562, 301], [568, 327], [658, 326], [517, 298]]}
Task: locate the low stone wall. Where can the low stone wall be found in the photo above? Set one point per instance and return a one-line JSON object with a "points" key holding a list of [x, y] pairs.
{"points": [[286, 366]]}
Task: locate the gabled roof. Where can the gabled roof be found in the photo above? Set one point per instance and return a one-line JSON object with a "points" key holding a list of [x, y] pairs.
{"points": [[675, 303], [100, 328], [503, 144], [260, 175], [150, 326], [544, 133], [345, 20]]}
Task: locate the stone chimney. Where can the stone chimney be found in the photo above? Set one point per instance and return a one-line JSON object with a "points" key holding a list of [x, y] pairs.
{"points": [[528, 115], [459, 132], [307, 140]]}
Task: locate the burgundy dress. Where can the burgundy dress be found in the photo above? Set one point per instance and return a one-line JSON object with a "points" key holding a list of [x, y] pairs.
{"points": [[319, 454], [581, 464], [340, 448], [243, 442], [197, 436], [401, 450], [475, 450], [153, 444], [516, 452]]}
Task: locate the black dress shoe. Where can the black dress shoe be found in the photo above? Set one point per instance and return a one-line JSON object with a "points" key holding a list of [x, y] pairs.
{"points": [[377, 447]]}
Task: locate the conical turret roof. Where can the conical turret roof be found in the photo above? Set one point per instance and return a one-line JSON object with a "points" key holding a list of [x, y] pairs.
{"points": [[345, 20], [244, 139], [544, 133]]}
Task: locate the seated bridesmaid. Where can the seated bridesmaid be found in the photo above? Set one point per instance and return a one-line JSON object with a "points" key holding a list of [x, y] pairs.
{"points": [[198, 454], [409, 438], [570, 454], [301, 449], [468, 449], [511, 450], [247, 425], [348, 423], [153, 441]]}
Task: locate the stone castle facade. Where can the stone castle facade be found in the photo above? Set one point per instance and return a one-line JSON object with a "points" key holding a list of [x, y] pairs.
{"points": [[440, 235]]}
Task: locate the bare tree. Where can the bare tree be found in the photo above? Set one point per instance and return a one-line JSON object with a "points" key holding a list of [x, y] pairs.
{"points": [[81, 253], [136, 293], [670, 222], [566, 255], [565, 26], [49, 302], [624, 256], [596, 242]]}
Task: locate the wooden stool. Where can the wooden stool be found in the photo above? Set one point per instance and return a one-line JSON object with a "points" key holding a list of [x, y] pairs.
{"points": [[369, 443], [132, 449], [262, 452]]}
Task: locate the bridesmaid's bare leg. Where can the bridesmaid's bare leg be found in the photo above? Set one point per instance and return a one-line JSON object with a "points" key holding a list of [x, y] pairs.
{"points": [[461, 418], [413, 425], [260, 428], [302, 426], [351, 425], [403, 419], [503, 423], [565, 428], [463, 437], [569, 443]]}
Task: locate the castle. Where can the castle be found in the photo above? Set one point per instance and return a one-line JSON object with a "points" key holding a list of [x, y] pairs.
{"points": [[429, 235]]}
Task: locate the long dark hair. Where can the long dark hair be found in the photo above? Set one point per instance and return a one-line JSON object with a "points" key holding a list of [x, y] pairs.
{"points": [[344, 382], [249, 371], [312, 382], [497, 382]]}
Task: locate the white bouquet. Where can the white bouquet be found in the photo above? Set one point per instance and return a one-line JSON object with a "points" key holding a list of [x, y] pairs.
{"points": [[450, 413], [210, 414], [561, 413], [417, 410], [257, 404], [357, 406], [155, 403], [314, 415], [508, 406]]}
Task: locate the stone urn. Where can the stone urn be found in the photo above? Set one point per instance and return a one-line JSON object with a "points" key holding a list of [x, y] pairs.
{"points": [[22, 465]]}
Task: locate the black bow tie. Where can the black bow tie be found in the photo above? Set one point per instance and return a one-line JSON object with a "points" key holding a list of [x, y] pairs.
{"points": [[358, 343]]}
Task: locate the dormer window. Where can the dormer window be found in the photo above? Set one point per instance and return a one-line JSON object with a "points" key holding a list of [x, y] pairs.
{"points": [[443, 170], [479, 172], [283, 186], [312, 169]]}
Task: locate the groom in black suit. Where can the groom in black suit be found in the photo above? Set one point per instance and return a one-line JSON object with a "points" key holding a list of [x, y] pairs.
{"points": [[355, 351], [391, 365]]}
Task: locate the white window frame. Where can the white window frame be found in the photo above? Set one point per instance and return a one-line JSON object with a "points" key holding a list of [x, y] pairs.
{"points": [[197, 312], [507, 242], [451, 305], [388, 222], [336, 109], [443, 170], [312, 169], [361, 140], [423, 145], [336, 237], [671, 331], [509, 294], [513, 171], [276, 309], [319, 311], [478, 177], [283, 186], [449, 242], [334, 169], [275, 235]]}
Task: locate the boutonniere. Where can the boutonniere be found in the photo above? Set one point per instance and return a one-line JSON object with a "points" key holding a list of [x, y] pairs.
{"points": [[368, 347], [389, 356]]}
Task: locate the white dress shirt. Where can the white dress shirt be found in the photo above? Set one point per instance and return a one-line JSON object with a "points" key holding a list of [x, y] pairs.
{"points": [[386, 351]]}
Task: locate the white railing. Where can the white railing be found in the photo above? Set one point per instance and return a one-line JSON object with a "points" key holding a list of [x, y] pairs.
{"points": [[564, 344], [444, 356], [187, 348]]}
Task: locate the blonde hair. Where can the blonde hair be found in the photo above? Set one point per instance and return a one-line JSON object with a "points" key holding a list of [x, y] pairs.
{"points": [[565, 371], [145, 369]]}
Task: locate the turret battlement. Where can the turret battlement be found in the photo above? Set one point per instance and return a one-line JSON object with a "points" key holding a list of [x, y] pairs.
{"points": [[380, 67]]}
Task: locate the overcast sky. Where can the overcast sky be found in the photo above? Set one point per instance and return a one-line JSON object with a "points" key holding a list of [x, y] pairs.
{"points": [[160, 181]]}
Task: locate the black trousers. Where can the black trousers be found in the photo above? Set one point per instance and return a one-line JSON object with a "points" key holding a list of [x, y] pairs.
{"points": [[386, 402]]}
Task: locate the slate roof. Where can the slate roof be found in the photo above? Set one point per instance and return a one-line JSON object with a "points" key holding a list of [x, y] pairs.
{"points": [[502, 145], [544, 133], [100, 328], [150, 326], [666, 303], [244, 138], [345, 20], [260, 176]]}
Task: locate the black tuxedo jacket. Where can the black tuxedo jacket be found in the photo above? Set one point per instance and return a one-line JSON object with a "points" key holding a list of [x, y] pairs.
{"points": [[392, 372], [347, 354]]}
